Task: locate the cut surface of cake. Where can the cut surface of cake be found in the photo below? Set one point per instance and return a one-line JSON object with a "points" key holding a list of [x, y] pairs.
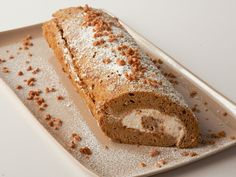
{"points": [[125, 91]]}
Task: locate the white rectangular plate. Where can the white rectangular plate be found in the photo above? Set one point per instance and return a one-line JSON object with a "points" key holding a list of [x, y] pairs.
{"points": [[117, 159]]}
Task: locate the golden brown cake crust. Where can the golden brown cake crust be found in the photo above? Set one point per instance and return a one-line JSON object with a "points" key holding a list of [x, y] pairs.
{"points": [[104, 76]]}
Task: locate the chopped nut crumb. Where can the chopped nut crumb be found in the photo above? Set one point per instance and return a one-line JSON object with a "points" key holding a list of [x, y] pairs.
{"points": [[48, 117], [45, 105], [232, 137], [72, 145], [76, 137], [153, 83], [154, 152], [106, 60], [171, 75], [29, 68], [85, 150], [11, 57], [48, 90], [112, 38], [225, 114], [193, 94], [211, 142], [60, 97], [31, 81], [97, 34], [160, 61], [19, 87], [220, 134], [130, 77], [39, 100], [55, 123], [190, 154], [193, 154], [99, 42], [36, 71], [195, 108], [207, 142], [2, 61], [41, 109], [50, 123], [33, 93], [122, 47], [5, 70], [185, 153], [142, 164], [174, 82], [120, 62], [160, 163], [28, 37], [20, 73]]}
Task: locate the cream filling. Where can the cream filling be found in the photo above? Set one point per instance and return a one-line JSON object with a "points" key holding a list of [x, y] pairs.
{"points": [[170, 125]]}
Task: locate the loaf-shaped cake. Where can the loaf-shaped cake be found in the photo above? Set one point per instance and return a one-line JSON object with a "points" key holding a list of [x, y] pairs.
{"points": [[125, 91]]}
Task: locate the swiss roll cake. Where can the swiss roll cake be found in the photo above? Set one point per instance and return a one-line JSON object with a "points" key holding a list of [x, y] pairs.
{"points": [[127, 94]]}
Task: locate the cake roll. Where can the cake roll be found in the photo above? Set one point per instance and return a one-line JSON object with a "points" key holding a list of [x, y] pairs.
{"points": [[121, 85]]}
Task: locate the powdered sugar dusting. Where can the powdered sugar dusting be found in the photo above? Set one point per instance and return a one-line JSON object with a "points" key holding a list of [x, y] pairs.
{"points": [[80, 40]]}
